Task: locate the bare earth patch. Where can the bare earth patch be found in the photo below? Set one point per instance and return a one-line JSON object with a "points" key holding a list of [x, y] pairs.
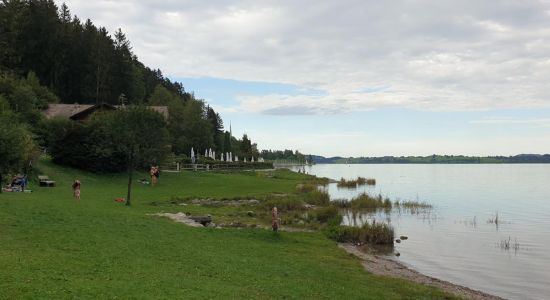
{"points": [[180, 218], [211, 202], [386, 267]]}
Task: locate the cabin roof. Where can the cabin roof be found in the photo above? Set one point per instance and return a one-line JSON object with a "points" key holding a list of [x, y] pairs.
{"points": [[73, 111], [65, 110]]}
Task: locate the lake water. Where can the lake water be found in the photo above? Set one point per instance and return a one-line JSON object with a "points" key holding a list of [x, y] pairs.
{"points": [[456, 241]]}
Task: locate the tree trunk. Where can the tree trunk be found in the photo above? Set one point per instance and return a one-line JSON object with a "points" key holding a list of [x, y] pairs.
{"points": [[130, 173]]}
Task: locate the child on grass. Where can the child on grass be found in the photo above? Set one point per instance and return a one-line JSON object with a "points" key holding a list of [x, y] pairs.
{"points": [[76, 189]]}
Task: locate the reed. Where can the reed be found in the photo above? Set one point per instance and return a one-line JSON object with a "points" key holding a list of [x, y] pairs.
{"points": [[507, 244], [372, 233], [316, 197], [283, 204], [365, 201], [412, 205], [306, 188], [328, 214], [356, 182], [494, 220]]}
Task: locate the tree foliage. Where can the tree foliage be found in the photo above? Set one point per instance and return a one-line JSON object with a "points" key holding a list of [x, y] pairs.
{"points": [[16, 145], [47, 55], [79, 61], [142, 136]]}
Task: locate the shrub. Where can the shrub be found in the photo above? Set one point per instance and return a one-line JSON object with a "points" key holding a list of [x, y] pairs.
{"points": [[86, 147], [103, 143]]}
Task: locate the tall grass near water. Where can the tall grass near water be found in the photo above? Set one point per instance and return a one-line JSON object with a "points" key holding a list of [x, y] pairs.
{"points": [[373, 233], [353, 183]]}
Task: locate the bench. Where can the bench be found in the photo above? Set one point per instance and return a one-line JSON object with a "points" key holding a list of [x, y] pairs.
{"points": [[44, 180]]}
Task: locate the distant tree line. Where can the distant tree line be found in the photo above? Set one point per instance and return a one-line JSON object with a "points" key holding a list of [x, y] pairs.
{"points": [[435, 159], [286, 154], [49, 56]]}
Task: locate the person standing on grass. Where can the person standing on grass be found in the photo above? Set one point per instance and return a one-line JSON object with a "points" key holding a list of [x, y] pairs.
{"points": [[274, 219], [76, 189], [157, 174], [152, 172]]}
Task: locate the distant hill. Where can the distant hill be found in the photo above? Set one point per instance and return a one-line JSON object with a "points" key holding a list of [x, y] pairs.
{"points": [[325, 160], [434, 159]]}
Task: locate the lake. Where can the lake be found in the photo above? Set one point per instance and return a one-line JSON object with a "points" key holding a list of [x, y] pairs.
{"points": [[458, 240]]}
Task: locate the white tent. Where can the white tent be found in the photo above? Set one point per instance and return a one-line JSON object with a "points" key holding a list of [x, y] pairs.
{"points": [[245, 159], [236, 158], [205, 152], [221, 157], [227, 157], [192, 155], [252, 159]]}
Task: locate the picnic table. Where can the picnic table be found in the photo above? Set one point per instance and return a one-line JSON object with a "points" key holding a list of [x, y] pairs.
{"points": [[44, 180]]}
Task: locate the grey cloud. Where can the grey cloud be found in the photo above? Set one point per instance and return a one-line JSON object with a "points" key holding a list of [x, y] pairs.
{"points": [[290, 110], [436, 55]]}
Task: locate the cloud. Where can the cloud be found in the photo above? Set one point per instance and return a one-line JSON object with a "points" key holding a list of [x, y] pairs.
{"points": [[535, 122], [434, 55]]}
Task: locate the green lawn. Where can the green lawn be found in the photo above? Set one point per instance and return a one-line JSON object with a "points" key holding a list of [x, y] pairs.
{"points": [[54, 247]]}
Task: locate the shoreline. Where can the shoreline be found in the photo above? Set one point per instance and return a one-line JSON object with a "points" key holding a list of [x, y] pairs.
{"points": [[382, 266]]}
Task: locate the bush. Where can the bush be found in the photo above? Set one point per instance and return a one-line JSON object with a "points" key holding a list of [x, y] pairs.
{"points": [[87, 147], [101, 143]]}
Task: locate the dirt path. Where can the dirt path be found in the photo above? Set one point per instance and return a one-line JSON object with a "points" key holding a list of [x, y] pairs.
{"points": [[386, 267]]}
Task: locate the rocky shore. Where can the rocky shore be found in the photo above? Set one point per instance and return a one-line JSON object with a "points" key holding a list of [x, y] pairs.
{"points": [[383, 266]]}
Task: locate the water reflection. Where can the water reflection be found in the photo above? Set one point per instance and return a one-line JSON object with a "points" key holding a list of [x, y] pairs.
{"points": [[459, 239], [358, 217]]}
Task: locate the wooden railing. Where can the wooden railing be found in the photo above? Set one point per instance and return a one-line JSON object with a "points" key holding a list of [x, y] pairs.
{"points": [[177, 167]]}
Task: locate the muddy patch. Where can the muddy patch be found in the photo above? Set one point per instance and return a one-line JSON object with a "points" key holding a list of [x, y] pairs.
{"points": [[180, 218], [212, 202]]}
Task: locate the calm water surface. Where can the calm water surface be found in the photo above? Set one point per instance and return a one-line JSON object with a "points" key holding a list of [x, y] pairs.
{"points": [[455, 241]]}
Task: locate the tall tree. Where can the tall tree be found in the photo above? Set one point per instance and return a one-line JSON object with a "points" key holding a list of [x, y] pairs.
{"points": [[246, 146], [16, 145], [216, 123], [142, 135]]}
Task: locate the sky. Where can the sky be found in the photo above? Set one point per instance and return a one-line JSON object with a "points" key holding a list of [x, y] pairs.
{"points": [[355, 78]]}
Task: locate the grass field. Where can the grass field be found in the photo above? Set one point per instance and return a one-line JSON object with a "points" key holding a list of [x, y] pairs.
{"points": [[53, 247]]}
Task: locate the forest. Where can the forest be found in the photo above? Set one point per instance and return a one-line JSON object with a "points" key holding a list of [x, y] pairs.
{"points": [[48, 55]]}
